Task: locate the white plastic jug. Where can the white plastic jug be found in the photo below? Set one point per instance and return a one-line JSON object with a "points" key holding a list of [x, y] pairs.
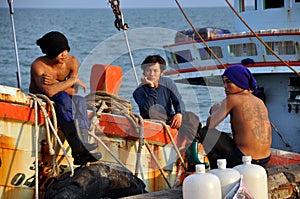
{"points": [[201, 185], [227, 176], [255, 178]]}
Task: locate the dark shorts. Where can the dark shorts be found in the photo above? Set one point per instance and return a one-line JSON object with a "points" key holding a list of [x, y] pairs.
{"points": [[262, 161]]}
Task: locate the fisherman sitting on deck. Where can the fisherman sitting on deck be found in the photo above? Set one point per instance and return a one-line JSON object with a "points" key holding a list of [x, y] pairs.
{"points": [[55, 75], [250, 125], [158, 98]]}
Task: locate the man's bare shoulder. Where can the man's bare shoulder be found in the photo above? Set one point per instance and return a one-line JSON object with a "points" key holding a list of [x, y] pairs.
{"points": [[247, 95], [38, 65], [38, 61], [240, 100], [72, 59], [232, 99], [72, 62]]}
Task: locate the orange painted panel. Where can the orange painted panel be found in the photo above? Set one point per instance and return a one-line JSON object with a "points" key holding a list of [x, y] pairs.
{"points": [[121, 126], [106, 78], [19, 112], [280, 157]]}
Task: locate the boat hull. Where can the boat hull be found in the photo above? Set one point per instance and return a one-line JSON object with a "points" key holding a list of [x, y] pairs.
{"points": [[17, 148]]}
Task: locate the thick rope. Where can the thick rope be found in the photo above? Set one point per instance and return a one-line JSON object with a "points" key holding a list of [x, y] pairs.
{"points": [[36, 142], [141, 143], [108, 150], [48, 134], [173, 142], [117, 105], [54, 131], [157, 163]]}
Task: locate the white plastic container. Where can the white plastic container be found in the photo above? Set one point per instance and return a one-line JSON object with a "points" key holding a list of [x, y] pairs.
{"points": [[201, 185], [227, 176], [255, 178]]}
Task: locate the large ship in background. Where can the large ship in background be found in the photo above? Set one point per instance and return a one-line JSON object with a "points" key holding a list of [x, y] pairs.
{"points": [[266, 39]]}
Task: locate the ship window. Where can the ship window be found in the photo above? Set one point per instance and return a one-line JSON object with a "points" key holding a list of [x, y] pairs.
{"points": [[282, 48], [274, 4], [241, 50], [294, 94], [205, 54], [183, 56]]}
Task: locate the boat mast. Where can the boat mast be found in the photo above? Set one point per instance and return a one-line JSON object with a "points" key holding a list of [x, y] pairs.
{"points": [[11, 9]]}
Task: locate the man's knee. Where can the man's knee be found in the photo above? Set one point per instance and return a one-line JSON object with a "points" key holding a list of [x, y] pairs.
{"points": [[201, 133]]}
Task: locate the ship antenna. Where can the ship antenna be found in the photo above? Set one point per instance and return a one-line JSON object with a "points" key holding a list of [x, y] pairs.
{"points": [[119, 24], [198, 35], [11, 9], [259, 38]]}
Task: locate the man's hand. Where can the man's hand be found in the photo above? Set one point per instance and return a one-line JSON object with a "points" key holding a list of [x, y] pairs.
{"points": [[146, 81], [78, 82], [176, 121], [48, 79]]}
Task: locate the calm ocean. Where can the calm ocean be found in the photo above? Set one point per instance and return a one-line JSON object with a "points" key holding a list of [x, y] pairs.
{"points": [[94, 39]]}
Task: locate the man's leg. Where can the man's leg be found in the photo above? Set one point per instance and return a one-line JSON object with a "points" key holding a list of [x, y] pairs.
{"points": [[81, 117], [218, 145], [65, 115], [187, 133]]}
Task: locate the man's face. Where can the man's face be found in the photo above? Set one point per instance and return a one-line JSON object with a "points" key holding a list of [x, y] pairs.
{"points": [[153, 72], [230, 87], [63, 56]]}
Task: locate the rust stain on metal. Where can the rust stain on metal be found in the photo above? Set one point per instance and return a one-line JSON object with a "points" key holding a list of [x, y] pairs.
{"points": [[13, 95], [6, 142]]}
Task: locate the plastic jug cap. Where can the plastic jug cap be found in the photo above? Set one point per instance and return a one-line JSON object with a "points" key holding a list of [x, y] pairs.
{"points": [[200, 168], [221, 163], [247, 159]]}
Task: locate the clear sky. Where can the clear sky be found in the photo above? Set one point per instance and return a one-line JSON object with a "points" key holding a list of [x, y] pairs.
{"points": [[104, 3]]}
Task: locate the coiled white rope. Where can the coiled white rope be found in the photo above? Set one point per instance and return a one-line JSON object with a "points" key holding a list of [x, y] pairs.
{"points": [[49, 126]]}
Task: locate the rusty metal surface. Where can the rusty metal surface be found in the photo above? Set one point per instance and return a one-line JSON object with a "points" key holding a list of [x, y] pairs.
{"points": [[17, 159], [15, 95]]}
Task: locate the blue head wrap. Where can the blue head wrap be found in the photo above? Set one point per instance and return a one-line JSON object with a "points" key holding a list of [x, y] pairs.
{"points": [[241, 77]]}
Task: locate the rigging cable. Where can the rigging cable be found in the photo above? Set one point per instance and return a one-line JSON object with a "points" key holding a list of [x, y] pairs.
{"points": [[198, 35], [119, 106], [11, 9], [259, 38], [36, 146], [271, 50], [119, 24]]}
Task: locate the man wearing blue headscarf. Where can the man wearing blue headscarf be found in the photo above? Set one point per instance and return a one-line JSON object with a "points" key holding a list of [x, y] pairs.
{"points": [[250, 125]]}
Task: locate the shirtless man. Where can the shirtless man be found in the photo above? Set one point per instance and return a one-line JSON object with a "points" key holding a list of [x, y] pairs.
{"points": [[56, 75], [250, 125]]}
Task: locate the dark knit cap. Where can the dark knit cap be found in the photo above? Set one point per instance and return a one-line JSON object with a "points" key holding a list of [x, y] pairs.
{"points": [[53, 43], [241, 76]]}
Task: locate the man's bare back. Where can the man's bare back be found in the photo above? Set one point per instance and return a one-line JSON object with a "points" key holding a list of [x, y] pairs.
{"points": [[250, 124]]}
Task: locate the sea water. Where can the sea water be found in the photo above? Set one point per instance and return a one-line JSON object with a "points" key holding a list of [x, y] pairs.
{"points": [[93, 38]]}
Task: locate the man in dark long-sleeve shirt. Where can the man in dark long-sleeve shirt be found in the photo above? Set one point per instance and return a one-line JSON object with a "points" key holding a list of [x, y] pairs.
{"points": [[162, 99], [158, 98]]}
